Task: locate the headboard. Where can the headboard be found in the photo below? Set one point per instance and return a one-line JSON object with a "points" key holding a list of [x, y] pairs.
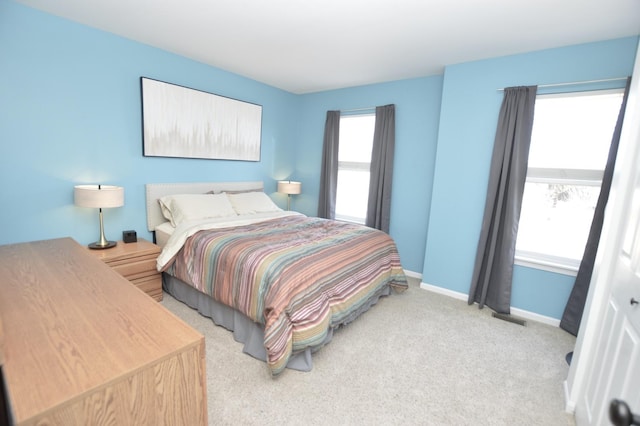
{"points": [[157, 190]]}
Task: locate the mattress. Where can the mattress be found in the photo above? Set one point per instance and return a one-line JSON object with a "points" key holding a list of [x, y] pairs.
{"points": [[163, 233]]}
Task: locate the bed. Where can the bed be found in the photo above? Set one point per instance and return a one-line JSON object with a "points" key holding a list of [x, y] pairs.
{"points": [[282, 282]]}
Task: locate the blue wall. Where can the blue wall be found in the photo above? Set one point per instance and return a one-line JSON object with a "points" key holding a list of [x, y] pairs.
{"points": [[417, 104], [467, 127], [70, 113]]}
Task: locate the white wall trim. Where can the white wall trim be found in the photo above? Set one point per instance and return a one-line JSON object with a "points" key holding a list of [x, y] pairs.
{"points": [[413, 274], [549, 266], [535, 317], [570, 406], [514, 311], [442, 290]]}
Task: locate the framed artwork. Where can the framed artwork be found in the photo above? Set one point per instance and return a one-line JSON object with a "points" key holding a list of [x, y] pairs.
{"points": [[181, 122]]}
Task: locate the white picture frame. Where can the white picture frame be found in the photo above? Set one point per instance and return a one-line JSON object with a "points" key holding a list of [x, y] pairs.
{"points": [[182, 122]]}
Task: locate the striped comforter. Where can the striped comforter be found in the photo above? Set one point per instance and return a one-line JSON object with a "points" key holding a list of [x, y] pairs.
{"points": [[296, 275]]}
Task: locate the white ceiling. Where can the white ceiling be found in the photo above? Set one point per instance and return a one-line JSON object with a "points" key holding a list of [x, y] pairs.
{"points": [[305, 46]]}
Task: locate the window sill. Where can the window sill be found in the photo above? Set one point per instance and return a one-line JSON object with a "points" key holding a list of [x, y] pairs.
{"points": [[546, 265], [348, 219]]}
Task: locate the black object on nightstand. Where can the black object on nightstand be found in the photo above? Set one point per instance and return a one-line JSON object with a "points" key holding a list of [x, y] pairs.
{"points": [[129, 236]]}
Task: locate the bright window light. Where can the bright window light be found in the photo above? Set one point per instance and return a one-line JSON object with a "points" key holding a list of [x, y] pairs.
{"points": [[354, 161], [569, 148]]}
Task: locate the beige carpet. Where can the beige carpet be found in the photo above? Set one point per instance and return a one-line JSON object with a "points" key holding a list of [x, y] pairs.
{"points": [[416, 358]]}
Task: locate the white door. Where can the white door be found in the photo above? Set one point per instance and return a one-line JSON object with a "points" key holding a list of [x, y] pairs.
{"points": [[607, 357]]}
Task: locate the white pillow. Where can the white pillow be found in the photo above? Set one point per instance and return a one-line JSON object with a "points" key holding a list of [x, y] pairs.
{"points": [[183, 207], [252, 202]]}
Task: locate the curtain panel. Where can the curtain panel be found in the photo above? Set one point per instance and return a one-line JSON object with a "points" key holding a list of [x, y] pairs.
{"points": [[572, 314], [381, 176], [493, 269], [329, 171]]}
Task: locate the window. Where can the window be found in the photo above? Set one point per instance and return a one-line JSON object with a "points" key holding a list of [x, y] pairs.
{"points": [[354, 161], [569, 148]]}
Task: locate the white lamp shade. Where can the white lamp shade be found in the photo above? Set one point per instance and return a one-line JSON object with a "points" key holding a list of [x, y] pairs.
{"points": [[98, 196], [289, 187]]}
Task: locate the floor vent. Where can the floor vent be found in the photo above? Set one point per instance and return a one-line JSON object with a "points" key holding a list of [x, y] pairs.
{"points": [[509, 318]]}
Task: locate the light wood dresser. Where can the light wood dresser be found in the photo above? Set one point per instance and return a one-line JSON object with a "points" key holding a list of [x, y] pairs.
{"points": [[137, 263], [82, 346]]}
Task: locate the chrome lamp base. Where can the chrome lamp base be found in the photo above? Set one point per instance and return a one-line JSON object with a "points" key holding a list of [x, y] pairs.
{"points": [[102, 243], [98, 246]]}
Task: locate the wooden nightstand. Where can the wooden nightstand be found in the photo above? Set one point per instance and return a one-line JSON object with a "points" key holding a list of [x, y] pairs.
{"points": [[137, 263]]}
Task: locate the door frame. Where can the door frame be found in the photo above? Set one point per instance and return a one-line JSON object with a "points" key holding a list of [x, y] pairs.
{"points": [[601, 282]]}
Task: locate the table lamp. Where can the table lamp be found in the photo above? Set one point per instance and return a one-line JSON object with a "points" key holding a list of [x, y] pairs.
{"points": [[99, 197], [290, 188]]}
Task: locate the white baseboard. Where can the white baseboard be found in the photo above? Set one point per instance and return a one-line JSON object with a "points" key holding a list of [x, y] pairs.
{"points": [[514, 311], [535, 317], [413, 274], [442, 290], [570, 406]]}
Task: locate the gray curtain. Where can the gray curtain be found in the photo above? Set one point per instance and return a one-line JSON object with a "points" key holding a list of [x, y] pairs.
{"points": [[329, 171], [384, 141], [572, 315], [493, 270]]}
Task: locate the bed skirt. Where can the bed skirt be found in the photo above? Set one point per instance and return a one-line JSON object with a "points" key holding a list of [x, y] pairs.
{"points": [[245, 331]]}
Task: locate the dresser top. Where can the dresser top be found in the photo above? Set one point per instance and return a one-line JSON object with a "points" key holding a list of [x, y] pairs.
{"points": [[71, 324]]}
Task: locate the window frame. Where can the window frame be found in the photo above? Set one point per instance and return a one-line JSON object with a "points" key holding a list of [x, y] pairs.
{"points": [[563, 176]]}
